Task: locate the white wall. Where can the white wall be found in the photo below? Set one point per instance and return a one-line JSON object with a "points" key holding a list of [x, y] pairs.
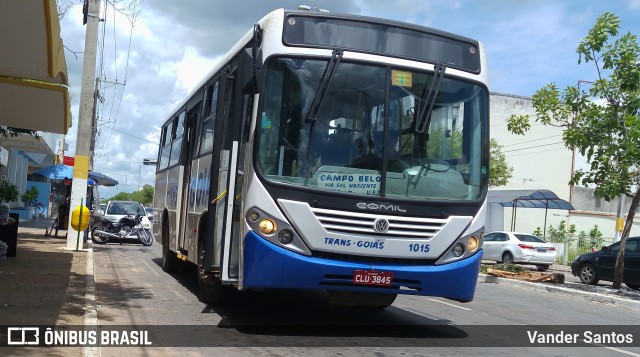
{"points": [[539, 158], [540, 161]]}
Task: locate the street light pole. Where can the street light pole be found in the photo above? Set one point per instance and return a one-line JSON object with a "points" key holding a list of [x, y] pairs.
{"points": [[139, 169]]}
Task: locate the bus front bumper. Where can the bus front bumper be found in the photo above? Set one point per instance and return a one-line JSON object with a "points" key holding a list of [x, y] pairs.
{"points": [[269, 266]]}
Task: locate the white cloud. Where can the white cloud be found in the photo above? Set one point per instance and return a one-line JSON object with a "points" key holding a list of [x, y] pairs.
{"points": [[193, 68]]}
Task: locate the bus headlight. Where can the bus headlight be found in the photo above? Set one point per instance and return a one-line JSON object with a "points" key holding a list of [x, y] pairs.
{"points": [[267, 226], [472, 244], [463, 247], [275, 230], [457, 250], [285, 236]]}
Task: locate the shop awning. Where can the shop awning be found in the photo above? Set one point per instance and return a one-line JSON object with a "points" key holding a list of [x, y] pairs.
{"points": [[33, 70]]}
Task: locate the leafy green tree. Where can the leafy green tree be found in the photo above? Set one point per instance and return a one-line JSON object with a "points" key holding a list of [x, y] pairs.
{"points": [[29, 195], [562, 234], [8, 192], [499, 170], [144, 196], [595, 238], [122, 196], [583, 240], [538, 232], [601, 123]]}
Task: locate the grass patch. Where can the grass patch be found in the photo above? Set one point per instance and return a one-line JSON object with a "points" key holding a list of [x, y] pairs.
{"points": [[504, 267]]}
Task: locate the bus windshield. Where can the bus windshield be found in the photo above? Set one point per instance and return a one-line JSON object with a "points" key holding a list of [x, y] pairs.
{"points": [[363, 138]]}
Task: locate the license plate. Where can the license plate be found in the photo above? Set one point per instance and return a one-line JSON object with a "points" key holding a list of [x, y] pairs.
{"points": [[542, 250], [372, 277]]}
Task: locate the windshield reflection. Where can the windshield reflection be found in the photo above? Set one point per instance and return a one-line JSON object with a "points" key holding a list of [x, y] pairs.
{"points": [[363, 139]]}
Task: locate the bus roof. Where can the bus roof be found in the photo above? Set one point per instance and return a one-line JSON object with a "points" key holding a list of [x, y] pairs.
{"points": [[276, 18]]}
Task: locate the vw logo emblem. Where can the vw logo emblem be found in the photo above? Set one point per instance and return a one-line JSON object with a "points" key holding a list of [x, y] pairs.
{"points": [[381, 225]]}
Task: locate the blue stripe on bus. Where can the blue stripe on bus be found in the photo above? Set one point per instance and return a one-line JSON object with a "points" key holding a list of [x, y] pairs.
{"points": [[269, 266]]}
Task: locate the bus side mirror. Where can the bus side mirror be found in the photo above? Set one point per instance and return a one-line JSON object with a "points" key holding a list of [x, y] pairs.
{"points": [[250, 64], [250, 71]]}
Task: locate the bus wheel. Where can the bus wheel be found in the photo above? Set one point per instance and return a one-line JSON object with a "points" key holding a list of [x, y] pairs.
{"points": [[367, 300], [211, 291], [169, 259]]}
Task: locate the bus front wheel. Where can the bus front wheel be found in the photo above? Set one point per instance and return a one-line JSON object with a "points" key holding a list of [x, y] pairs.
{"points": [[211, 291]]}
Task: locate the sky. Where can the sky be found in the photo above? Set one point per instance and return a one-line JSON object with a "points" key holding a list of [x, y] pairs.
{"points": [[149, 63]]}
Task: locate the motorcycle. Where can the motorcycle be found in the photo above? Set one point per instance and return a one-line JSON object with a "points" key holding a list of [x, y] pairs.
{"points": [[127, 227]]}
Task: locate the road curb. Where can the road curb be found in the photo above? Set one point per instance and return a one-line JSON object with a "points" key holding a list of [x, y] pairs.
{"points": [[91, 310], [561, 290]]}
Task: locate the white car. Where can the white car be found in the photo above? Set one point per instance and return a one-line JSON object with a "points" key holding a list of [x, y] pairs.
{"points": [[514, 247], [149, 211], [118, 209]]}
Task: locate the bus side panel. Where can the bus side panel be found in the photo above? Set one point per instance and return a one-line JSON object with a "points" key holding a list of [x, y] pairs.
{"points": [[197, 197], [269, 266], [174, 193], [159, 204]]}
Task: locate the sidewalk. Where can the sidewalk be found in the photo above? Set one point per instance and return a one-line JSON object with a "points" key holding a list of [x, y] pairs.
{"points": [[601, 293], [44, 284]]}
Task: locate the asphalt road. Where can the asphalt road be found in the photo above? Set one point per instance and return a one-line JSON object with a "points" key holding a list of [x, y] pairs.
{"points": [[132, 289]]}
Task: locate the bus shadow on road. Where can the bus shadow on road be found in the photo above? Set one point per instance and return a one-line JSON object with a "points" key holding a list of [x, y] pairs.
{"points": [[289, 312], [279, 314]]}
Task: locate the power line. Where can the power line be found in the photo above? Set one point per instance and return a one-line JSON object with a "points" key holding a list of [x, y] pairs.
{"points": [[533, 147], [137, 137], [528, 141], [533, 152]]}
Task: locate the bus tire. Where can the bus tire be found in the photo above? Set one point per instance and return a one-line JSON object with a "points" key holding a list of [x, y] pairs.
{"points": [[210, 289], [169, 259]]}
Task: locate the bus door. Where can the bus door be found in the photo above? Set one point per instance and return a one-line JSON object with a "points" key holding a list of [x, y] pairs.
{"points": [[223, 180], [193, 113]]}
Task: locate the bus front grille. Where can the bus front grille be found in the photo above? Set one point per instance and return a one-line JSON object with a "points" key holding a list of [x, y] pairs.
{"points": [[372, 260], [344, 222]]}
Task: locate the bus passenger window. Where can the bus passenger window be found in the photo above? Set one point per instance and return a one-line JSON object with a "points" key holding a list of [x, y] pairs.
{"points": [[180, 128], [206, 136], [213, 95]]}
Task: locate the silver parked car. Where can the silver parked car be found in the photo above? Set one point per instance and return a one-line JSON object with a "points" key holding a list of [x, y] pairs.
{"points": [[149, 211], [514, 247]]}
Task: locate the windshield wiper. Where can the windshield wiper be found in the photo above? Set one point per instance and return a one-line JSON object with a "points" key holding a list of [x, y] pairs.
{"points": [[323, 86], [424, 114]]}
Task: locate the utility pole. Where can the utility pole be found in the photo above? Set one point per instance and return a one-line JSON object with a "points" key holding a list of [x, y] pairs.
{"points": [[139, 170], [94, 125], [83, 140]]}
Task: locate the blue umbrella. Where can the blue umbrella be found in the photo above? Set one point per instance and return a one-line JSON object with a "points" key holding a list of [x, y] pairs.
{"points": [[60, 171], [56, 172], [102, 179]]}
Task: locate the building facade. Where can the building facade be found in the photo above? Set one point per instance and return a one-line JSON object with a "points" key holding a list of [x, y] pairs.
{"points": [[540, 161], [19, 157]]}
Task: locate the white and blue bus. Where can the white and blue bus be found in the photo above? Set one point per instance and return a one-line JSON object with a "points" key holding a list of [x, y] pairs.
{"points": [[332, 152]]}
